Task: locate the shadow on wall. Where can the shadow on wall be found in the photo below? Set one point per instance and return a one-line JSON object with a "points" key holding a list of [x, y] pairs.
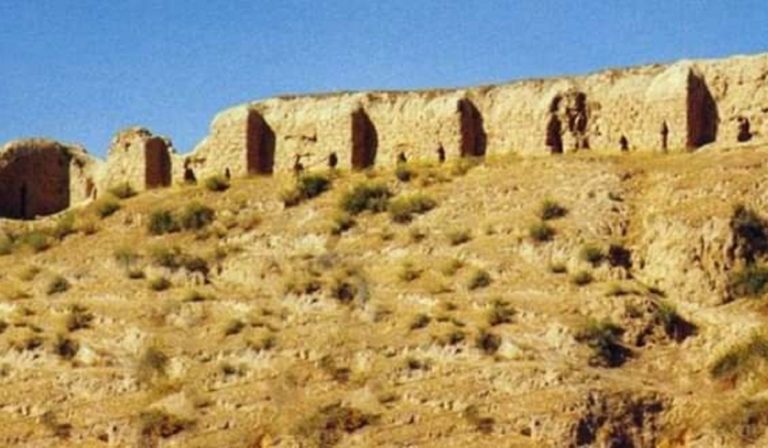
{"points": [[473, 136], [35, 183], [157, 164], [260, 145], [703, 116], [365, 140]]}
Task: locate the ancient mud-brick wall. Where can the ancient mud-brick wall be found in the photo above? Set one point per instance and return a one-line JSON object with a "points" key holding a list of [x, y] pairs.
{"points": [[139, 158], [687, 105], [34, 178]]}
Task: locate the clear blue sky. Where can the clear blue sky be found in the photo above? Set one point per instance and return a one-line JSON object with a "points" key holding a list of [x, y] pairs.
{"points": [[79, 70]]}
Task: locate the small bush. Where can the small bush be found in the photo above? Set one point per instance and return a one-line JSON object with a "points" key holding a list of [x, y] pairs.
{"points": [[6, 244], [464, 164], [329, 424], [152, 364], [482, 424], [550, 209], [122, 191], [479, 279], [162, 222], [403, 173], [488, 342], [603, 338], [217, 183], [65, 226], [558, 268], [750, 232], [541, 232], [741, 358], [234, 327], [420, 321], [592, 254], [675, 326], [366, 196], [159, 423], [78, 319], [107, 206], [36, 240], [166, 257], [341, 223], [159, 284], [409, 272], [746, 423], [450, 268], [307, 187], [501, 313], [751, 281], [57, 285], [65, 347], [582, 278], [126, 257], [457, 237], [196, 216], [402, 209]]}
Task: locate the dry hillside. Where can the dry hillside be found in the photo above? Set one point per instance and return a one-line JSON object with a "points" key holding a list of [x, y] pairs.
{"points": [[561, 301]]}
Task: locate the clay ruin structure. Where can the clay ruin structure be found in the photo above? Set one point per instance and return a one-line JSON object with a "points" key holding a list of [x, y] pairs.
{"points": [[139, 158], [40, 177], [697, 102], [677, 107]]}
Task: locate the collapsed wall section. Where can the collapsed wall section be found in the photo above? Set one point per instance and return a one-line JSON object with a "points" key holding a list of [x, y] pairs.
{"points": [[34, 178], [139, 158]]}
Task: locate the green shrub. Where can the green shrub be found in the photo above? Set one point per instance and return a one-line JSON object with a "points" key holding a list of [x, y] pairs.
{"points": [[747, 422], [403, 208], [6, 244], [234, 327], [307, 187], [162, 222], [65, 226], [327, 426], [409, 272], [420, 321], [751, 281], [36, 240], [675, 326], [403, 173], [500, 313], [157, 423], [122, 190], [165, 257], [107, 206], [592, 254], [196, 216], [603, 337], [460, 236], [58, 284], [217, 183], [479, 279], [558, 268], [462, 165], [750, 232], [541, 232], [65, 347], [341, 222], [488, 342], [125, 257], [741, 358], [152, 363], [78, 319], [582, 278], [159, 284], [366, 196], [550, 209]]}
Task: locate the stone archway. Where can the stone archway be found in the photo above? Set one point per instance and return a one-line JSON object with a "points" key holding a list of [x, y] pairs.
{"points": [[157, 164], [260, 145], [365, 140], [702, 113], [473, 136]]}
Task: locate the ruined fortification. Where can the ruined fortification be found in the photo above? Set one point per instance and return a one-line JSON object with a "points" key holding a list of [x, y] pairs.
{"points": [[682, 106]]}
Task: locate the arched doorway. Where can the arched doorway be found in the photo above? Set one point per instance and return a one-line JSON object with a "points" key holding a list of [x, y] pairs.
{"points": [[365, 141]]}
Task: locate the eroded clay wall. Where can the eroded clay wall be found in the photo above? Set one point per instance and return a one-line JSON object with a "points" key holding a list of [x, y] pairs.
{"points": [[138, 158], [34, 179], [676, 107]]}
